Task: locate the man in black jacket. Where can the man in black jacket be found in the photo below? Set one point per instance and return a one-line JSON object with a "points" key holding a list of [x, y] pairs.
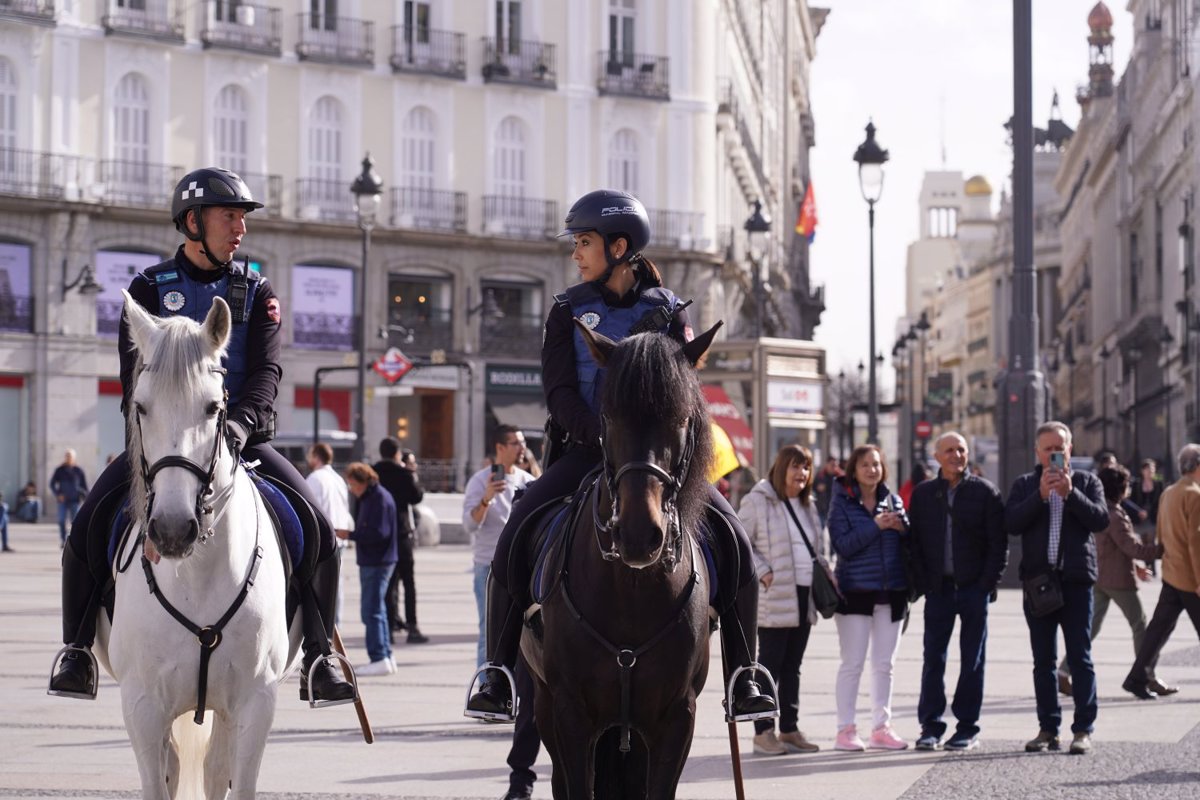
{"points": [[959, 546], [1056, 511], [399, 476]]}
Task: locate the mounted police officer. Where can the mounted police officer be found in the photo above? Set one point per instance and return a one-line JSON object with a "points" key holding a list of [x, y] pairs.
{"points": [[621, 293], [209, 207]]}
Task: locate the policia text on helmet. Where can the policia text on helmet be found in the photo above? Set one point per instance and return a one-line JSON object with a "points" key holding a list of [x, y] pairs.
{"points": [[212, 187]]}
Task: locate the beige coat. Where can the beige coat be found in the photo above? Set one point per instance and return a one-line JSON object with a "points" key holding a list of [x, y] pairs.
{"points": [[1179, 532], [768, 525]]}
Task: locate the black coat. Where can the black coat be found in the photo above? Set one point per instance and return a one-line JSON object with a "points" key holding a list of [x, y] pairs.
{"points": [[1027, 515], [980, 548], [406, 490]]}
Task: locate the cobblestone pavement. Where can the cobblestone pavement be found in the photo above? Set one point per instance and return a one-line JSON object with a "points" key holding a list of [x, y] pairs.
{"points": [[426, 750]]}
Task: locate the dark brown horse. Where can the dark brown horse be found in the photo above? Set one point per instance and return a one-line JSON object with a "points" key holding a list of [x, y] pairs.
{"points": [[624, 651]]}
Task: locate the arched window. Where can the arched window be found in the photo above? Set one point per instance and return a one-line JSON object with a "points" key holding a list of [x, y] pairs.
{"points": [[623, 161], [230, 129], [131, 130], [325, 140], [509, 166], [418, 137]]}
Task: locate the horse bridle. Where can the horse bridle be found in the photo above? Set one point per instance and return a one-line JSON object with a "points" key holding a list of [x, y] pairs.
{"points": [[671, 488], [203, 507]]}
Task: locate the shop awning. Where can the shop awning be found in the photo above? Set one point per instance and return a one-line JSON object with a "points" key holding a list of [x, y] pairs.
{"points": [[723, 412], [528, 415]]}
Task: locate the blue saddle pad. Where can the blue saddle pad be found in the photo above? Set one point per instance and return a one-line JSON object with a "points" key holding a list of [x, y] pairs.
{"points": [[552, 530], [120, 522], [290, 528]]}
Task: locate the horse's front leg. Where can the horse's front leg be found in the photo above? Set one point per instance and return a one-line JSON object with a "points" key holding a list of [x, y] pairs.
{"points": [[576, 746], [149, 728], [255, 714], [669, 748]]}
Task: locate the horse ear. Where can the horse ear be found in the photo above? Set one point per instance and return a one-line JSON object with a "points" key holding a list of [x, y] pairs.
{"points": [[217, 325], [143, 326], [600, 346], [696, 348]]}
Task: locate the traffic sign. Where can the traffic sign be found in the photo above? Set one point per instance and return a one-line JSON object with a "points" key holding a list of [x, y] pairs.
{"points": [[392, 365], [924, 429]]}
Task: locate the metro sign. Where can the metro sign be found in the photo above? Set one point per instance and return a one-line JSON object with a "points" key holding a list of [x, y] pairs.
{"points": [[392, 365]]}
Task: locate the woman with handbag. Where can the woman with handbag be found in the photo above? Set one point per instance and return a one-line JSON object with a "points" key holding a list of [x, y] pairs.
{"points": [[868, 529], [785, 533]]}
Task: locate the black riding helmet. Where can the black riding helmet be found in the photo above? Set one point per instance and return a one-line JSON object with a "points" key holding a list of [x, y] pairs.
{"points": [[613, 215], [208, 186]]}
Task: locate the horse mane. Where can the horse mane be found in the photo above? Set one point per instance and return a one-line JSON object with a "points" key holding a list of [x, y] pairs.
{"points": [[650, 385], [175, 363]]}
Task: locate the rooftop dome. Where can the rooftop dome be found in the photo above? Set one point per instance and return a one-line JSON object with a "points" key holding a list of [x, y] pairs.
{"points": [[1100, 18], [977, 185]]}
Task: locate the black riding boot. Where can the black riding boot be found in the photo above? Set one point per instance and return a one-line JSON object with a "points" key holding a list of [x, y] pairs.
{"points": [[81, 602], [503, 640], [739, 643], [320, 608]]}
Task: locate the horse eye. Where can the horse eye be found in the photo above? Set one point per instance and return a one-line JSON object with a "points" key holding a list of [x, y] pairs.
{"points": [[213, 408], [139, 409]]}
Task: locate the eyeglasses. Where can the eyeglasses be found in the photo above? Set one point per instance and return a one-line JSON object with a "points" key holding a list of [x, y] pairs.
{"points": [[521, 442]]}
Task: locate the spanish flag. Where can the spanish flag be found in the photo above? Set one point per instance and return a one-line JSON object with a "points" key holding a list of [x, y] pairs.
{"points": [[806, 222]]}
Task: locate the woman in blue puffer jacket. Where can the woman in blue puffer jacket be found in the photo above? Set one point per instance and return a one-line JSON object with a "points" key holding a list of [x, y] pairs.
{"points": [[868, 530]]}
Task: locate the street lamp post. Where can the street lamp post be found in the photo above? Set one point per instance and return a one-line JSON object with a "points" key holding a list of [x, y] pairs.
{"points": [[1104, 356], [1165, 340], [1135, 357], [757, 228], [871, 158], [367, 188], [842, 414], [922, 325]]}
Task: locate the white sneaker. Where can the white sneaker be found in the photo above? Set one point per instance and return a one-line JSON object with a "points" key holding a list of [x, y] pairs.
{"points": [[383, 666], [391, 664]]}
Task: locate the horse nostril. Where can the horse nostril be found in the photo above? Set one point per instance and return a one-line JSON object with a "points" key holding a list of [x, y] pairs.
{"points": [[193, 529], [152, 532]]}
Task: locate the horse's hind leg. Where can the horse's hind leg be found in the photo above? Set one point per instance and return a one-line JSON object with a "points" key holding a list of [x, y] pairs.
{"points": [[255, 714]]}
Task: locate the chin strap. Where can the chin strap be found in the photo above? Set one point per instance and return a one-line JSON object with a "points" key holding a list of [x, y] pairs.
{"points": [[199, 237], [632, 260]]}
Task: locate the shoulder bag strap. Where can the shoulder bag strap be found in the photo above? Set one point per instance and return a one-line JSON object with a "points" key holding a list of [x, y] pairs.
{"points": [[788, 505]]}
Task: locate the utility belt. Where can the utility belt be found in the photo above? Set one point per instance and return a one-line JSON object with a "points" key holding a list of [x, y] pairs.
{"points": [[265, 431], [558, 443]]}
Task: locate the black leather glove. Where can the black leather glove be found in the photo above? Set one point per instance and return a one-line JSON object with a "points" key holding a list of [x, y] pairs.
{"points": [[235, 437]]}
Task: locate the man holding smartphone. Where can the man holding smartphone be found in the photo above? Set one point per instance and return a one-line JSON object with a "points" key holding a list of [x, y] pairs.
{"points": [[1056, 511]]}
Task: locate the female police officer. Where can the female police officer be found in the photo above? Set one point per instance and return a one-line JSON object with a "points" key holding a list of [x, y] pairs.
{"points": [[621, 292], [209, 208]]}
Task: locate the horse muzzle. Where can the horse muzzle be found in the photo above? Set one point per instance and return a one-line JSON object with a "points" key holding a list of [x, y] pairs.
{"points": [[174, 537], [644, 552]]}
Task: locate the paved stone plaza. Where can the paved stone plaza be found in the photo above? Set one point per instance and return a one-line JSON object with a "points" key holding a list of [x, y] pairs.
{"points": [[425, 748]]}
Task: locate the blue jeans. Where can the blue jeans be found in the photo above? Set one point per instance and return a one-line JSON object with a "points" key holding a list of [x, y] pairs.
{"points": [[29, 511], [4, 525], [969, 604], [1075, 619], [67, 510], [374, 583], [480, 582]]}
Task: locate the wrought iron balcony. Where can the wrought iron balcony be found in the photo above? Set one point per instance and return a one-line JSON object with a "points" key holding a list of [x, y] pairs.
{"points": [[16, 313], [429, 328], [519, 217], [336, 40], [429, 209], [253, 28], [136, 183], [39, 12], [426, 52], [24, 173], [678, 229], [633, 75], [266, 189], [155, 19], [510, 336], [524, 63], [322, 200]]}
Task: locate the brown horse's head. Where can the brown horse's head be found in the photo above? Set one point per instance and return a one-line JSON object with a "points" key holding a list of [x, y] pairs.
{"points": [[657, 440]]}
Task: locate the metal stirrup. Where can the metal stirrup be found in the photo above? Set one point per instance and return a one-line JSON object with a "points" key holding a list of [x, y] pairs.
{"points": [[58, 657], [494, 716], [753, 666], [334, 655]]}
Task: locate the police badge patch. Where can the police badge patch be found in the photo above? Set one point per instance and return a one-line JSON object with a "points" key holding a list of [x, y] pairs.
{"points": [[591, 319], [174, 301]]}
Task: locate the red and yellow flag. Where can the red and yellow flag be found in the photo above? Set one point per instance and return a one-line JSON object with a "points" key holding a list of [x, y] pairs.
{"points": [[806, 222]]}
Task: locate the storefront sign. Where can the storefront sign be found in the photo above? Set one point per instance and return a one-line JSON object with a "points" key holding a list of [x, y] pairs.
{"points": [[433, 378], [794, 397], [322, 301], [514, 380]]}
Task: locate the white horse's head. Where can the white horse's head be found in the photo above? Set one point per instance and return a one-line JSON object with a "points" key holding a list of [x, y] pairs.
{"points": [[175, 422]]}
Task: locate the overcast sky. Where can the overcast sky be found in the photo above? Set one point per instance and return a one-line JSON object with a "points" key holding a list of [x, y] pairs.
{"points": [[930, 73]]}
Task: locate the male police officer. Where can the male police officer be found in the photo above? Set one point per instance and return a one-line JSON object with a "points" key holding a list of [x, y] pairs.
{"points": [[209, 207]]}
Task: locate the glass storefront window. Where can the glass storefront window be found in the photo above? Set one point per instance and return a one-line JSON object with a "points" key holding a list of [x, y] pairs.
{"points": [[510, 322], [420, 315], [16, 290]]}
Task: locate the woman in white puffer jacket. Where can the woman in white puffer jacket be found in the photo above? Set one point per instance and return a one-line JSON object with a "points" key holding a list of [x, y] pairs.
{"points": [[785, 569]]}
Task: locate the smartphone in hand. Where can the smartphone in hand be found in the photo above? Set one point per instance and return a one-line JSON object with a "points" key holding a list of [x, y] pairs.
{"points": [[1058, 461], [497, 472]]}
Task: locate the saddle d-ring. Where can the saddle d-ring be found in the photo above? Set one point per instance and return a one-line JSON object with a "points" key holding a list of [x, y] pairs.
{"points": [[494, 716], [755, 667], [95, 674], [347, 668]]}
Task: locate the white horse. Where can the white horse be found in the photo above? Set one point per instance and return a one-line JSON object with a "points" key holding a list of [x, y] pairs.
{"points": [[220, 560]]}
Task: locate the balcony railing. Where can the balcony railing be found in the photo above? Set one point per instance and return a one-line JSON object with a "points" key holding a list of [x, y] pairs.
{"points": [[427, 52], [679, 229], [525, 63], [429, 209], [257, 29], [25, 173], [39, 12], [510, 336], [137, 183], [519, 217], [322, 200], [16, 313], [266, 189], [157, 19], [633, 75], [336, 40], [430, 329]]}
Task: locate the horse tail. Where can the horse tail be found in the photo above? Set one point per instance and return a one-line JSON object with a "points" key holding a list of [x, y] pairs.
{"points": [[186, 756]]}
